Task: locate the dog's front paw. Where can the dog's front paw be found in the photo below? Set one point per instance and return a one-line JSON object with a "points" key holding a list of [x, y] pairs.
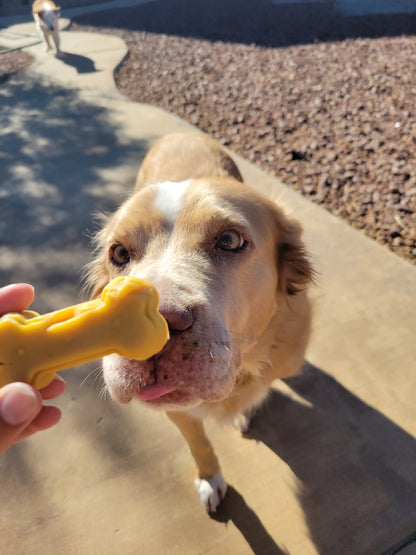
{"points": [[211, 491], [242, 422]]}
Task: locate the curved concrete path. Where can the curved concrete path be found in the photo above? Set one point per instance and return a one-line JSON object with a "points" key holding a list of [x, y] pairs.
{"points": [[329, 465]]}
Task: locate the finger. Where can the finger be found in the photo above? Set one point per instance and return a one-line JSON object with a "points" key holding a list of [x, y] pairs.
{"points": [[48, 417], [19, 405], [16, 297], [55, 388]]}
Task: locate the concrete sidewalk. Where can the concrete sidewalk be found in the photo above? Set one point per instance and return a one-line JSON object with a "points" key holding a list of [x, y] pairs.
{"points": [[329, 465]]}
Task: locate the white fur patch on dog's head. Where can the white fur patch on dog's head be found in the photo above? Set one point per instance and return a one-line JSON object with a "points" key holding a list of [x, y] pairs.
{"points": [[169, 198]]}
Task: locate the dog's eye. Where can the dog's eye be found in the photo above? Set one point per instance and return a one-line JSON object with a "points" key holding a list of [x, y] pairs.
{"points": [[119, 255], [230, 241]]}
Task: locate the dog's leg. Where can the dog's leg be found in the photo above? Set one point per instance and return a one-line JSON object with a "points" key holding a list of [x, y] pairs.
{"points": [[56, 40], [48, 45], [210, 483], [40, 30], [242, 421]]}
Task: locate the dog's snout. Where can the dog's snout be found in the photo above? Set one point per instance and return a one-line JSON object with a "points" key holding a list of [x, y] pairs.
{"points": [[178, 317]]}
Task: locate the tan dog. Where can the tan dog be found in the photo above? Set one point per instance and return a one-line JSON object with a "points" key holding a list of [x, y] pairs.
{"points": [[231, 271], [46, 16]]}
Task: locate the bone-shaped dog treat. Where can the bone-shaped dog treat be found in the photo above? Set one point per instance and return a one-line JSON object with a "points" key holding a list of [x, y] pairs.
{"points": [[125, 320]]}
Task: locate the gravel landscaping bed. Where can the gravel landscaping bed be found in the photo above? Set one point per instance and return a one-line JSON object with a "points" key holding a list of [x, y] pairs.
{"points": [[335, 120], [12, 62]]}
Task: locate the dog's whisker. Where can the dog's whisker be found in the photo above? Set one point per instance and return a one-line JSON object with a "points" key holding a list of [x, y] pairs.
{"points": [[103, 394], [97, 383], [96, 376], [103, 391], [92, 373]]}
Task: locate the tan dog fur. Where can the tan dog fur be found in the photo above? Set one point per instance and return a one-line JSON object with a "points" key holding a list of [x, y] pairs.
{"points": [[232, 273]]}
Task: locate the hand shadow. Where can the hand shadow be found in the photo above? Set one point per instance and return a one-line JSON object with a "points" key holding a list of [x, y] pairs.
{"points": [[355, 466], [82, 64]]}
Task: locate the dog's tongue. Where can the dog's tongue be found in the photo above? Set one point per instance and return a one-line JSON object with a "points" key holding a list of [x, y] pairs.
{"points": [[154, 392]]}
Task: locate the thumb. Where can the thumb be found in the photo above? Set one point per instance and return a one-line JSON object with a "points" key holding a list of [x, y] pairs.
{"points": [[19, 405]]}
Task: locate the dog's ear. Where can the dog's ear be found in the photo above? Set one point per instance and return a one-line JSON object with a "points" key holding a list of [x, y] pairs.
{"points": [[295, 270]]}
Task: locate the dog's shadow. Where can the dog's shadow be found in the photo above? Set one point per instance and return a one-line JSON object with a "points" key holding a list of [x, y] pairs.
{"points": [[354, 466], [82, 64], [236, 510]]}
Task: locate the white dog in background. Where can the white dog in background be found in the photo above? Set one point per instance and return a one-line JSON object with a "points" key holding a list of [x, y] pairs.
{"points": [[46, 15]]}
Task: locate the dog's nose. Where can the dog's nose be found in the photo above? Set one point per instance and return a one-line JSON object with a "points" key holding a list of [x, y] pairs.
{"points": [[178, 317]]}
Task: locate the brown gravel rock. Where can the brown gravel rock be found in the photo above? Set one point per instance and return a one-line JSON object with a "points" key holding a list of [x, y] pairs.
{"points": [[12, 62], [334, 120]]}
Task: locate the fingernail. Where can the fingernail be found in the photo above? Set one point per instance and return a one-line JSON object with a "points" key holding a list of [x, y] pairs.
{"points": [[19, 404]]}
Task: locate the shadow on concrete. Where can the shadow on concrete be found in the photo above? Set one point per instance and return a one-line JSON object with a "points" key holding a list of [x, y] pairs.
{"points": [[58, 156], [88, 418], [235, 509], [82, 64], [355, 466], [244, 21]]}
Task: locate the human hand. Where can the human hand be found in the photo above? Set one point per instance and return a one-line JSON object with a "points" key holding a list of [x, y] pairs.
{"points": [[22, 412]]}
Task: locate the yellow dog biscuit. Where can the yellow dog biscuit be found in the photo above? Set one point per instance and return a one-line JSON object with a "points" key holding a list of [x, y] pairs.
{"points": [[125, 320]]}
